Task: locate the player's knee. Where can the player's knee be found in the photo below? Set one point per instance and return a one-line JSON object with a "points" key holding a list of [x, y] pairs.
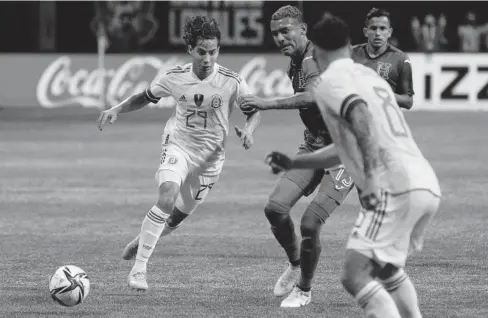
{"points": [[168, 192], [358, 271], [311, 224], [276, 212]]}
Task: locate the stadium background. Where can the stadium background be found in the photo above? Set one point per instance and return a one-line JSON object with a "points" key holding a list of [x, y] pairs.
{"points": [[70, 194]]}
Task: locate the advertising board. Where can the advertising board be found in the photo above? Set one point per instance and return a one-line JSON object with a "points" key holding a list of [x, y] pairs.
{"points": [[441, 81]]}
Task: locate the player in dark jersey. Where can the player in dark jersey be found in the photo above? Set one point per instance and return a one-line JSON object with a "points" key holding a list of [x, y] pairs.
{"points": [[388, 61], [289, 33]]}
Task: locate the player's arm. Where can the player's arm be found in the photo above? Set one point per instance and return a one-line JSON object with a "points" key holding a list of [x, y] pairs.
{"points": [[295, 101], [325, 158], [305, 99], [356, 113], [404, 97], [253, 116], [152, 94]]}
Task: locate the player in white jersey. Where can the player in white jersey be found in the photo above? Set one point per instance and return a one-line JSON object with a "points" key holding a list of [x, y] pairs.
{"points": [[398, 187], [193, 140]]}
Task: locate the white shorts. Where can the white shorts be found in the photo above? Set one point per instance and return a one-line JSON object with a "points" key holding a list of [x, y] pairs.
{"points": [[396, 229], [194, 183]]}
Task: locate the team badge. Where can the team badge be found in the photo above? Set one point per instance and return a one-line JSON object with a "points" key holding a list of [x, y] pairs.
{"points": [[216, 101], [198, 99], [384, 69]]}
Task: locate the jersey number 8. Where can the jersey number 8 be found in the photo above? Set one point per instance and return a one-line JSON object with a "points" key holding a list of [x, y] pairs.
{"points": [[393, 113]]}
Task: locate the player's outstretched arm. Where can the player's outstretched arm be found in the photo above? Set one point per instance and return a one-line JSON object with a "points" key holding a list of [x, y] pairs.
{"points": [[293, 102], [324, 158], [132, 103]]}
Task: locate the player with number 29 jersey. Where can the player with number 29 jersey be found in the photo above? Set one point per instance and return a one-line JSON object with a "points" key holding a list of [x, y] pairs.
{"points": [[200, 123], [404, 167]]}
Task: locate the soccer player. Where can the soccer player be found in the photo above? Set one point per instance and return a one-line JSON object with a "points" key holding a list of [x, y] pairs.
{"points": [[397, 185], [193, 140], [388, 61], [290, 35]]}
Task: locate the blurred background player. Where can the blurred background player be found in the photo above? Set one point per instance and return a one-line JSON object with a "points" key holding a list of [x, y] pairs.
{"points": [[289, 33], [388, 61], [193, 140], [397, 185]]}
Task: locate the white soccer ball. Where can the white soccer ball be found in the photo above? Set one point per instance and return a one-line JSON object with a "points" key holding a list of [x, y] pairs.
{"points": [[69, 285]]}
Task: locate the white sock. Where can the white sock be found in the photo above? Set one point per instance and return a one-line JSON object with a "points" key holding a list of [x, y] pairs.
{"points": [[151, 229], [376, 302], [404, 294]]}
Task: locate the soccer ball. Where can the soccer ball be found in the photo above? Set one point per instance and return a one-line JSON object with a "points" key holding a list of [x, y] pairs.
{"points": [[69, 285]]}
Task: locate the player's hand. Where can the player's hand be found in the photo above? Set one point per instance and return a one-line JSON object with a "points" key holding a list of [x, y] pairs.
{"points": [[245, 136], [248, 102], [371, 195], [109, 114], [278, 162]]}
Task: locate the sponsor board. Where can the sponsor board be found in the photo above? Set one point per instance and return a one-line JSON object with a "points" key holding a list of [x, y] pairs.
{"points": [[441, 81], [54, 81]]}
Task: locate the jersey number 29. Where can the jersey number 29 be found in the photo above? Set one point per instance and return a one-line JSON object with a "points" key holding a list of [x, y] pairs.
{"points": [[191, 113], [393, 113]]}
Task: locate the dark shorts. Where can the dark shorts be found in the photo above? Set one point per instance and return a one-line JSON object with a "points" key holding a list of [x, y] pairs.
{"points": [[336, 183]]}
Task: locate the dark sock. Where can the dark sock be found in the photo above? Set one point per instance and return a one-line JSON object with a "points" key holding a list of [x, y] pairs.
{"points": [[284, 233], [305, 289], [176, 218], [295, 263], [309, 257]]}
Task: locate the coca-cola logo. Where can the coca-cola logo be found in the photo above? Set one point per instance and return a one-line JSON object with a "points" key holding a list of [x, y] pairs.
{"points": [[64, 84]]}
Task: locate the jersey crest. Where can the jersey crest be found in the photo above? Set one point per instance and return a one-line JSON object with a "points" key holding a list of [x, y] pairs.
{"points": [[383, 69], [216, 101], [198, 99]]}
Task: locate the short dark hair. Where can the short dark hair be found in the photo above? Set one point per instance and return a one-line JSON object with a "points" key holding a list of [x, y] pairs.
{"points": [[288, 12], [200, 27], [377, 13], [330, 33]]}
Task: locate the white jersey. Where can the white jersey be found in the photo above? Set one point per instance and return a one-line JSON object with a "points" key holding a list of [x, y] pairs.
{"points": [[200, 122], [403, 167]]}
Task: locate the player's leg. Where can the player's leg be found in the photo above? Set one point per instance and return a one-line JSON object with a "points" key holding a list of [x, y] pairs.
{"points": [[288, 190], [395, 279], [192, 194], [358, 278], [333, 191], [369, 248], [170, 175], [330, 195]]}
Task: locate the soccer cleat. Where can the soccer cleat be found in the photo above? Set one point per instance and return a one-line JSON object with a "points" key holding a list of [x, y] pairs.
{"points": [[130, 251], [137, 281], [287, 280], [297, 298]]}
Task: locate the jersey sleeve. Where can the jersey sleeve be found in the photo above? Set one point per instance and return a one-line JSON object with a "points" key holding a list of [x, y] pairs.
{"points": [[159, 88], [338, 94], [311, 72], [406, 79]]}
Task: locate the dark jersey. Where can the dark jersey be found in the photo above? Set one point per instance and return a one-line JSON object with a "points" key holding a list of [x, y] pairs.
{"points": [[302, 74], [393, 65]]}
